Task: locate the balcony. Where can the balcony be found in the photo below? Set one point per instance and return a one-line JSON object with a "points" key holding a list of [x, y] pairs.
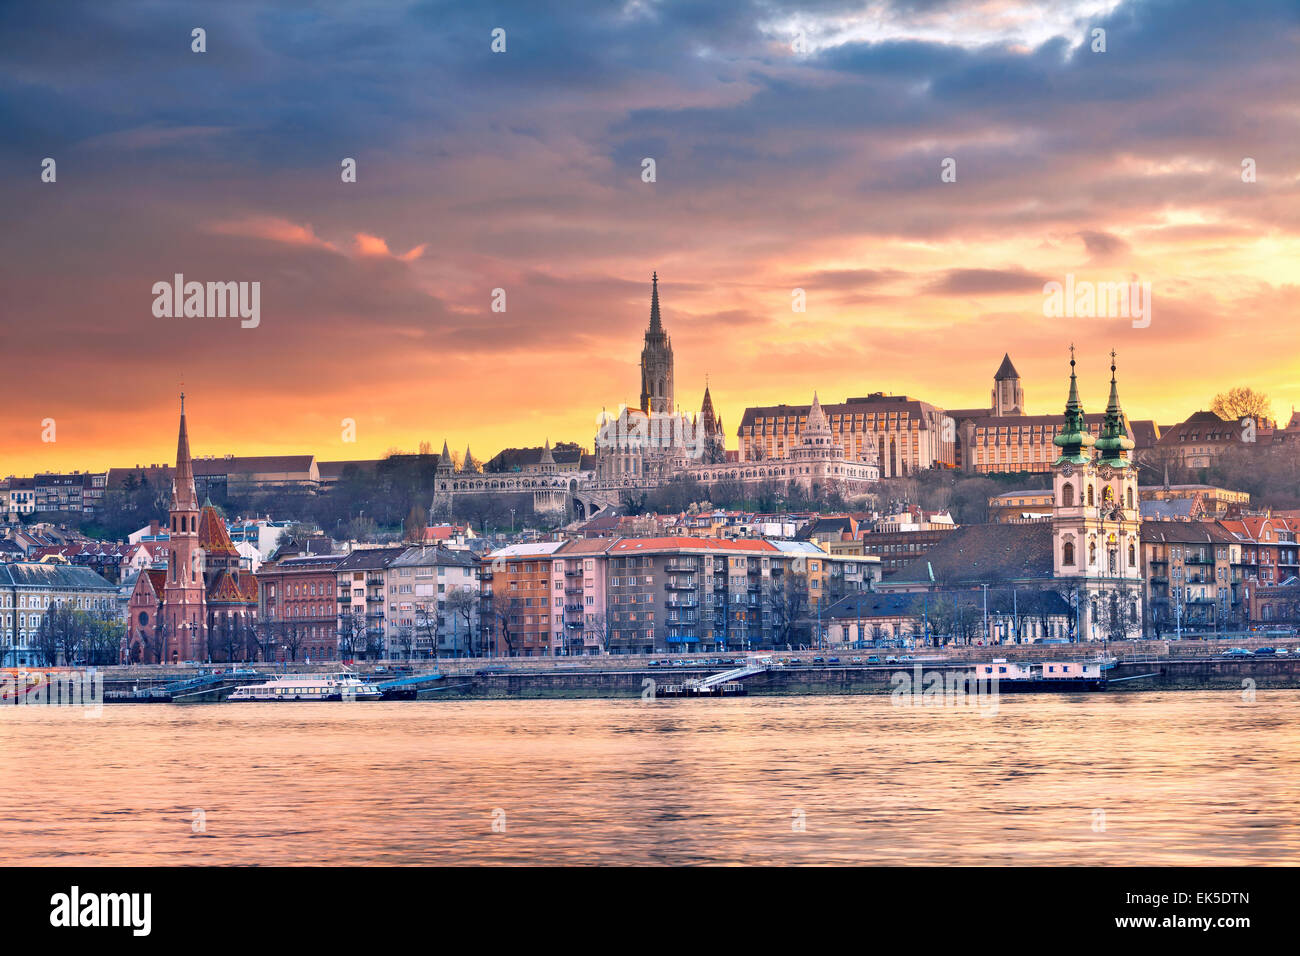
{"points": [[374, 580], [678, 584], [685, 567], [679, 602]]}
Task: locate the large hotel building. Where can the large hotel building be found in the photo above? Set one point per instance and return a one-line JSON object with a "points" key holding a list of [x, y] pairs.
{"points": [[906, 434]]}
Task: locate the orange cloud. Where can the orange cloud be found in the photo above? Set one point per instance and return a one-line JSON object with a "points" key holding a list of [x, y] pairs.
{"points": [[271, 228], [368, 245]]}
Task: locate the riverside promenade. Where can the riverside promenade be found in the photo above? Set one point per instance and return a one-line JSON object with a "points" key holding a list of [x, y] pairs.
{"points": [[1154, 665]]}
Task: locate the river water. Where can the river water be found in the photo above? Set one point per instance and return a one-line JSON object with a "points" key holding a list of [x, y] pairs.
{"points": [[1136, 778]]}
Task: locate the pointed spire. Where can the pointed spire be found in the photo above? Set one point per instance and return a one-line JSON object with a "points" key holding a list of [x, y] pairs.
{"points": [[816, 417], [708, 415], [184, 497], [656, 324], [468, 463], [547, 457], [1075, 437], [1114, 444]]}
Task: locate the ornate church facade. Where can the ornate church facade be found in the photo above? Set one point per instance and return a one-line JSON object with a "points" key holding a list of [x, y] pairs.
{"points": [[1096, 523], [175, 612]]}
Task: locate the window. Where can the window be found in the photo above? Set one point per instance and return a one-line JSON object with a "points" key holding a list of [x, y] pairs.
{"points": [[1067, 500], [1067, 552]]}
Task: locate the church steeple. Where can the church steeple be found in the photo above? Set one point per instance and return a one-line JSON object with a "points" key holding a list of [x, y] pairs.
{"points": [[656, 324], [1114, 444], [1076, 437], [656, 360], [184, 497]]}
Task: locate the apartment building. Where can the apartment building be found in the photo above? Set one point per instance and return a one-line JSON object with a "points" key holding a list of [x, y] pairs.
{"points": [[1193, 578], [28, 590], [297, 606], [515, 600], [1269, 552], [362, 601], [433, 602], [581, 621]]}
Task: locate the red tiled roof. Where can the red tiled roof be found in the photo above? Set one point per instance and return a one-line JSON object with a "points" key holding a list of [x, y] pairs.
{"points": [[213, 536], [157, 578], [684, 543]]}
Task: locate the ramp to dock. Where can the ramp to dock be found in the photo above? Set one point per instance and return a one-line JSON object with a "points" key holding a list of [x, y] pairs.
{"points": [[731, 676], [411, 681]]}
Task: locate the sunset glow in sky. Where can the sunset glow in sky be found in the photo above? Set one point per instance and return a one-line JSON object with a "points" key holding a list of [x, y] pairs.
{"points": [[776, 170]]}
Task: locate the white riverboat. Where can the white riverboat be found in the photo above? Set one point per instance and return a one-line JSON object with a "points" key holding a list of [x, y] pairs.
{"points": [[343, 686]]}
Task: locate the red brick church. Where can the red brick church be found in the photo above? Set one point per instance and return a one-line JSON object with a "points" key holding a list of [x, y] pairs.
{"points": [[202, 602]]}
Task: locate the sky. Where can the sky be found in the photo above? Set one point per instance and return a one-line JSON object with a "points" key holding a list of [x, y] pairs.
{"points": [[796, 146]]}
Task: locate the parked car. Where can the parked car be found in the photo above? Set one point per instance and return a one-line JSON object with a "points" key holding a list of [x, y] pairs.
{"points": [[891, 660], [794, 660], [738, 660], [873, 659], [832, 660], [1282, 650], [1265, 650], [652, 663], [679, 663], [819, 660], [1237, 652]]}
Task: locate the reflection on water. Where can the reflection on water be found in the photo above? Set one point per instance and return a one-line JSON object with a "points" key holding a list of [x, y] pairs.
{"points": [[1182, 778]]}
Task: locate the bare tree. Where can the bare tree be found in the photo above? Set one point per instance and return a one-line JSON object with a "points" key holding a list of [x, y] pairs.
{"points": [[352, 634], [788, 598], [1242, 402], [426, 626], [505, 616], [375, 646], [404, 639], [292, 636], [416, 522], [463, 603]]}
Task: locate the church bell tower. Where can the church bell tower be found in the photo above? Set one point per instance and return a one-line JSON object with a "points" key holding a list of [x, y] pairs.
{"points": [[656, 360]]}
